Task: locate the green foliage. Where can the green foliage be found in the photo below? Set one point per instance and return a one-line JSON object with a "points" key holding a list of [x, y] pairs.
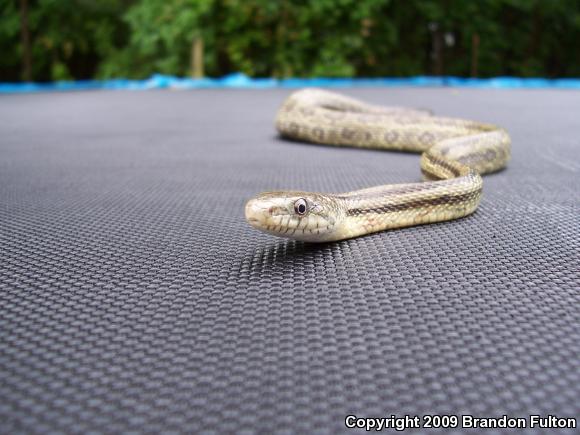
{"points": [[68, 37], [282, 38], [9, 34], [161, 36]]}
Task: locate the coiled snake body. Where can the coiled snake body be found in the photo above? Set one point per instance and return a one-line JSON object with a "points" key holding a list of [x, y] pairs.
{"points": [[454, 154]]}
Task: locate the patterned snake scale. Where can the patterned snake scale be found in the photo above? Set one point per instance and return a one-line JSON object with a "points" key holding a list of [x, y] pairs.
{"points": [[454, 154]]}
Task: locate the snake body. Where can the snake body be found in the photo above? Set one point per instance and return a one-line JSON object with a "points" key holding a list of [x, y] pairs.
{"points": [[455, 152]]}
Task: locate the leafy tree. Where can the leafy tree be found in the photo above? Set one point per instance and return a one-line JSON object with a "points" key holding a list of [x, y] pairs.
{"points": [[68, 37], [286, 38], [162, 32]]}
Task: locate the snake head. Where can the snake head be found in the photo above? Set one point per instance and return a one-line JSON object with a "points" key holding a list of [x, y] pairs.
{"points": [[310, 217]]}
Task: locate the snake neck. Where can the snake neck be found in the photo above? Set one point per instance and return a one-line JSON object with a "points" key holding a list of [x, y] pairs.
{"points": [[401, 205]]}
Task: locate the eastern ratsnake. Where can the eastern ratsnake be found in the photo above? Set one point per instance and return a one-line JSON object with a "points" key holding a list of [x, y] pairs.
{"points": [[455, 153]]}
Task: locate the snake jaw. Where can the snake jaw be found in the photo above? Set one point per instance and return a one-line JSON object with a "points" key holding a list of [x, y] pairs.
{"points": [[277, 213]]}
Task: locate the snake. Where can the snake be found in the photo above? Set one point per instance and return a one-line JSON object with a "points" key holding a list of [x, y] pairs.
{"points": [[454, 154]]}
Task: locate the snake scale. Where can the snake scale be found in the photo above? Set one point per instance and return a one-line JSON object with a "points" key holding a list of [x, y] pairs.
{"points": [[454, 154]]}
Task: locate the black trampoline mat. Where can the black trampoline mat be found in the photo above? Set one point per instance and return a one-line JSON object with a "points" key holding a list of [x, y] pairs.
{"points": [[134, 296]]}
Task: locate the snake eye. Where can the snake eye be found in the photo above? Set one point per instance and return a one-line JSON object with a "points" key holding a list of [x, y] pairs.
{"points": [[300, 206]]}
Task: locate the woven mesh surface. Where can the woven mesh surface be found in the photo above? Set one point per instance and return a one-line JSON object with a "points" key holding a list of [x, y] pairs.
{"points": [[134, 297]]}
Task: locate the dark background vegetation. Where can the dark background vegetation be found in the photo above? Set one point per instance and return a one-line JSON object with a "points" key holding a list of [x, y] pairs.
{"points": [[45, 40]]}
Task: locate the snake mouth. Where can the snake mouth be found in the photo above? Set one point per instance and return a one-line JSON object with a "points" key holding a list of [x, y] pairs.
{"points": [[256, 223]]}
